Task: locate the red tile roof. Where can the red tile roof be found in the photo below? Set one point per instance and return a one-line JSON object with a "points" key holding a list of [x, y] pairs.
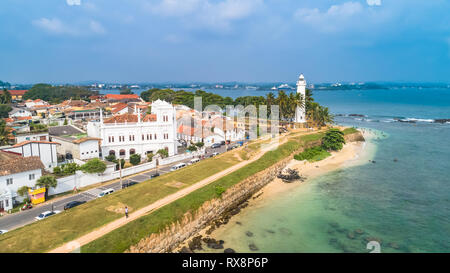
{"points": [[23, 118], [118, 107], [121, 97], [130, 118], [16, 92]]}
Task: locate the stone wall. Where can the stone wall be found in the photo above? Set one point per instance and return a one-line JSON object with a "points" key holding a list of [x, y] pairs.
{"points": [[191, 223]]}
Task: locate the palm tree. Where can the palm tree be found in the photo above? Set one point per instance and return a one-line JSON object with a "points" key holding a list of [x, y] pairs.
{"points": [[48, 182], [283, 102], [270, 100]]}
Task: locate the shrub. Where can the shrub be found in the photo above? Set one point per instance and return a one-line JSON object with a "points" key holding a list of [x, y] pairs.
{"points": [[70, 168], [150, 157], [111, 158], [199, 144], [23, 191], [163, 152], [333, 140], [192, 148], [57, 170], [48, 182], [312, 154], [94, 166], [219, 190], [135, 159]]}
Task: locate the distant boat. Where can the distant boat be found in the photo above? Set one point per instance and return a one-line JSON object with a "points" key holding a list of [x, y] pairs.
{"points": [[251, 87], [274, 88], [284, 86]]}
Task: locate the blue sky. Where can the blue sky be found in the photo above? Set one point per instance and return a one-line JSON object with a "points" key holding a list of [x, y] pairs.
{"points": [[224, 40]]}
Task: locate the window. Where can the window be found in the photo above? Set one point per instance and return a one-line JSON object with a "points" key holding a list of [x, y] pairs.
{"points": [[31, 176], [155, 136], [142, 136], [166, 136], [9, 181], [132, 151], [122, 152], [112, 153], [6, 203]]}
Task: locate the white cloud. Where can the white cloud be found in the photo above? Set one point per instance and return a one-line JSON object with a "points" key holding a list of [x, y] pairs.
{"points": [[73, 2], [332, 19], [206, 13], [53, 25], [96, 27], [57, 27], [374, 2]]}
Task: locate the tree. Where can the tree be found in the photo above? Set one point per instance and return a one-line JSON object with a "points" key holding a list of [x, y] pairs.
{"points": [[163, 152], [135, 159], [150, 157], [192, 148], [5, 97], [5, 133], [333, 140], [23, 191], [111, 158], [94, 166], [125, 91], [57, 170], [200, 144], [48, 182], [4, 110], [66, 122]]}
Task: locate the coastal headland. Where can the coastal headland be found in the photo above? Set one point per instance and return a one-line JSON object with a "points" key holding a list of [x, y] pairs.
{"points": [[195, 230]]}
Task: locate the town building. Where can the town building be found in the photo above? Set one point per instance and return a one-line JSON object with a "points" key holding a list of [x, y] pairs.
{"points": [[111, 98], [44, 150], [16, 94], [15, 172], [141, 133], [19, 112], [83, 148]]}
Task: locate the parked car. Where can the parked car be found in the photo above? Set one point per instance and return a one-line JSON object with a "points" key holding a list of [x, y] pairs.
{"points": [[222, 143], [105, 192], [154, 175], [2, 231], [129, 184], [215, 145], [46, 214], [178, 166], [194, 160], [73, 204], [215, 153]]}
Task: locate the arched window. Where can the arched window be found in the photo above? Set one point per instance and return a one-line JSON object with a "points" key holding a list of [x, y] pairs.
{"points": [[132, 151], [112, 152], [122, 152], [167, 149]]}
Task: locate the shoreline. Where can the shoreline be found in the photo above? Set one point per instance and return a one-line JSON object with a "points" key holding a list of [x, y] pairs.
{"points": [[352, 154]]}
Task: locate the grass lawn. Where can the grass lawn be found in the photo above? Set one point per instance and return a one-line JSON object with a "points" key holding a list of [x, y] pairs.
{"points": [[130, 234], [50, 233], [348, 131]]}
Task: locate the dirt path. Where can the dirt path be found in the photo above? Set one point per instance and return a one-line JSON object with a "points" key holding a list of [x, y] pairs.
{"points": [[89, 237]]}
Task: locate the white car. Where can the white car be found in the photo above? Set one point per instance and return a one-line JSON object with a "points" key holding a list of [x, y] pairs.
{"points": [[215, 153], [2, 231], [178, 166], [46, 214], [194, 160], [105, 192]]}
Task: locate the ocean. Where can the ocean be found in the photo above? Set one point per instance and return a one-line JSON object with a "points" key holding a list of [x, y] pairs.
{"points": [[402, 200]]}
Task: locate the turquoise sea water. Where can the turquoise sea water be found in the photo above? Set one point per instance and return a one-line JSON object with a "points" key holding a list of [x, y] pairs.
{"points": [[403, 204]]}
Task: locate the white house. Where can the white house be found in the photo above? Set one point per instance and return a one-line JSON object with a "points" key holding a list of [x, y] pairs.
{"points": [[15, 172], [84, 148], [30, 136], [20, 112], [45, 150], [127, 134], [34, 103]]}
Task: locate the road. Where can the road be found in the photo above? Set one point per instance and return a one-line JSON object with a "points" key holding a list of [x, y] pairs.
{"points": [[19, 219]]}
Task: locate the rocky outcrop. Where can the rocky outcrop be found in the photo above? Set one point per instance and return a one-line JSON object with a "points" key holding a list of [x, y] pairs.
{"points": [[355, 137], [230, 202]]}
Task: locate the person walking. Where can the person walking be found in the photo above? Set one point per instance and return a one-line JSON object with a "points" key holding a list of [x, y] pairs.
{"points": [[126, 212]]}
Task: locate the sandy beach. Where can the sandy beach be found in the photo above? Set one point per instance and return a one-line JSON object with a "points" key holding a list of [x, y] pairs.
{"points": [[352, 154]]}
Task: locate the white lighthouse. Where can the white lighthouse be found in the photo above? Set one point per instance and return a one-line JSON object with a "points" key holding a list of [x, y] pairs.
{"points": [[300, 112]]}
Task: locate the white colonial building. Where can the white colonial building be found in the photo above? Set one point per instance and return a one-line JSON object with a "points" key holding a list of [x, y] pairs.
{"points": [[300, 112], [127, 134]]}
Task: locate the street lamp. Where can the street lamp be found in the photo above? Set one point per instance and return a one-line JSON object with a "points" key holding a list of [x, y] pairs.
{"points": [[120, 170]]}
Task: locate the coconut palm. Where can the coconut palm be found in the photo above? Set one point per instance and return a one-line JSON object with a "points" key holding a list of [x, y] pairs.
{"points": [[5, 133]]}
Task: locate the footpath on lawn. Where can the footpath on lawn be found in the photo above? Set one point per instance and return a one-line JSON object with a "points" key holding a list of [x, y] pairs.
{"points": [[122, 238], [43, 236]]}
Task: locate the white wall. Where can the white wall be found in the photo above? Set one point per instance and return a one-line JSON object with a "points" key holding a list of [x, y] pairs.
{"points": [[32, 137]]}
